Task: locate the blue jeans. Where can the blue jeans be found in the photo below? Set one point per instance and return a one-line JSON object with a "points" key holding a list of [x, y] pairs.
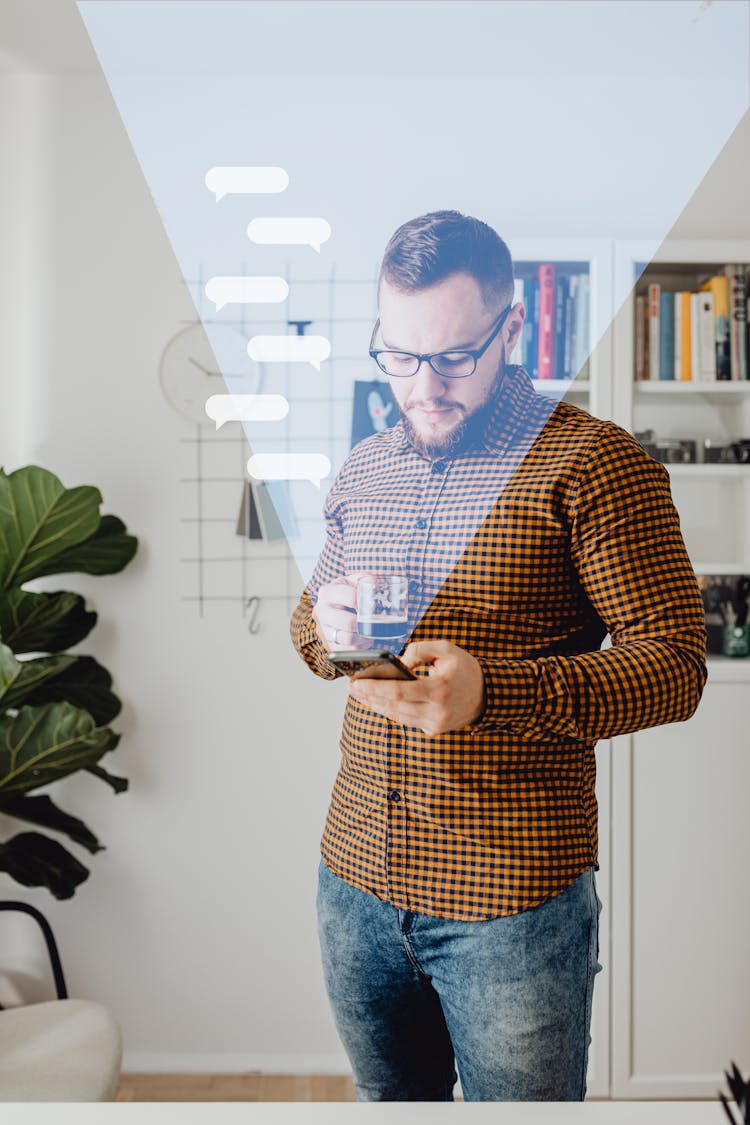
{"points": [[507, 1001]]}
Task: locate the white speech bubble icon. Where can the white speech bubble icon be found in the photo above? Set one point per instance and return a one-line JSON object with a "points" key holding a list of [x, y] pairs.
{"points": [[245, 181], [246, 408], [223, 291], [289, 466], [289, 349], [289, 232]]}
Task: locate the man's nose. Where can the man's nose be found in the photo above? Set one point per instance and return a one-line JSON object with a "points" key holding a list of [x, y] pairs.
{"points": [[426, 383]]}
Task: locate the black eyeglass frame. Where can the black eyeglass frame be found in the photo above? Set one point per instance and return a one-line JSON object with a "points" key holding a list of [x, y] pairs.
{"points": [[476, 354]]}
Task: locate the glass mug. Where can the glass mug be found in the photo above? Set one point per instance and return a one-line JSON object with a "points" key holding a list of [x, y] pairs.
{"points": [[382, 607]]}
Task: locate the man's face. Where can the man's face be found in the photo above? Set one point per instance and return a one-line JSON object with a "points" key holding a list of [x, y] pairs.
{"points": [[447, 316]]}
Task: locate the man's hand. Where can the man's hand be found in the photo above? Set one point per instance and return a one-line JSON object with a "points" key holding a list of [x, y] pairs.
{"points": [[448, 697], [335, 614]]}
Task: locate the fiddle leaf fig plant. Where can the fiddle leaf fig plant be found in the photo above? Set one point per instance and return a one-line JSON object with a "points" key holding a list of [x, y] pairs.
{"points": [[55, 708]]}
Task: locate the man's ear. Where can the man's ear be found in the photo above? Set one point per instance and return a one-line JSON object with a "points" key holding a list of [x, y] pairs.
{"points": [[516, 318]]}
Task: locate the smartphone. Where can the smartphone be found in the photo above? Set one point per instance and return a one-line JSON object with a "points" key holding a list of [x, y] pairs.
{"points": [[372, 663]]}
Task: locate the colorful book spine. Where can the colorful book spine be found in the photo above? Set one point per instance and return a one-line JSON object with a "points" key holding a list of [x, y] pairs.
{"points": [[583, 339], [736, 275], [719, 286], [640, 338], [707, 332], [569, 328], [666, 335], [654, 292], [546, 342], [695, 337], [684, 370], [561, 292]]}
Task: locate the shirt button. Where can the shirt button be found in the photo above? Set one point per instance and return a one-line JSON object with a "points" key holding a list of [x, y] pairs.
{"points": [[394, 795], [421, 522], [438, 466], [413, 586]]}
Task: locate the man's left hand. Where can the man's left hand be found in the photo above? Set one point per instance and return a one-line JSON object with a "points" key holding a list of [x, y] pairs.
{"points": [[448, 697]]}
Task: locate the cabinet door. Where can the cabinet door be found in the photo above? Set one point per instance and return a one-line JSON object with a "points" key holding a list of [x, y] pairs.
{"points": [[681, 911], [597, 1082]]}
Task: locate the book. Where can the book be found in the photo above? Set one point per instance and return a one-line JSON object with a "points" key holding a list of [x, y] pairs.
{"points": [[568, 328], [695, 336], [666, 321], [736, 279], [684, 369], [654, 294], [707, 334], [719, 286], [640, 338], [583, 328], [546, 338], [561, 293]]}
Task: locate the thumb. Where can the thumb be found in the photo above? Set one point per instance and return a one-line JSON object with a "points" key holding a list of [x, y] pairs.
{"points": [[424, 652]]}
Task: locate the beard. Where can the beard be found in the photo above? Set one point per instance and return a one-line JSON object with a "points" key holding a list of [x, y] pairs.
{"points": [[467, 433]]}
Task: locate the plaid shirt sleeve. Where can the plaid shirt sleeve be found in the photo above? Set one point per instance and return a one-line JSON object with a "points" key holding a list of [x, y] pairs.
{"points": [[631, 560], [330, 565]]}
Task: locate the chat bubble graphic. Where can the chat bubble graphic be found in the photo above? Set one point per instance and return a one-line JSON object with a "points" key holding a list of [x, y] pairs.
{"points": [[289, 349], [245, 181], [289, 232], [223, 291], [246, 408], [289, 466]]}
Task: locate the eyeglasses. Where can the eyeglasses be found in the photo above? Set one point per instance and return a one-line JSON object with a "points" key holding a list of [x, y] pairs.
{"points": [[451, 365]]}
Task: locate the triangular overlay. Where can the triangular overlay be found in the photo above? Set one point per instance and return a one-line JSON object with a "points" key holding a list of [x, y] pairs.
{"points": [[376, 112]]}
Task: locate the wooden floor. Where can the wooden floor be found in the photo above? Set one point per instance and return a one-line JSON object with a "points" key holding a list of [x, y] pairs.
{"points": [[234, 1088]]}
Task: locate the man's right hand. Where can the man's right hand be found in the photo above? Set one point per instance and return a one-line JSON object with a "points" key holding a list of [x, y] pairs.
{"points": [[335, 614]]}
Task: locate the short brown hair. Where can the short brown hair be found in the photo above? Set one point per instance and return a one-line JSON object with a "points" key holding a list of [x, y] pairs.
{"points": [[430, 248]]}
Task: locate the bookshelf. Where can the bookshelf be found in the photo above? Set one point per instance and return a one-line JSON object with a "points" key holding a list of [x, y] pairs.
{"points": [[713, 499], [592, 257]]}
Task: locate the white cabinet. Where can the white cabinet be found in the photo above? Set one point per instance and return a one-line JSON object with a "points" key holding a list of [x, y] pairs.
{"points": [[680, 830]]}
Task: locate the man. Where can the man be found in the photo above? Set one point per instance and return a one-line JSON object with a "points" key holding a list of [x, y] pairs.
{"points": [[457, 907]]}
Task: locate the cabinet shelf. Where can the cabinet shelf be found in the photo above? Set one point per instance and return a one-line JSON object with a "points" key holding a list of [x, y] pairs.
{"points": [[728, 669], [725, 471], [684, 387], [728, 568]]}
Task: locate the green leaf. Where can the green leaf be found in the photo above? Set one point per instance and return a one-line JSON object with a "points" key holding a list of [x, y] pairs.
{"points": [[43, 811], [108, 550], [42, 744], [32, 673], [44, 622], [119, 784], [10, 670], [39, 520], [36, 861], [78, 680]]}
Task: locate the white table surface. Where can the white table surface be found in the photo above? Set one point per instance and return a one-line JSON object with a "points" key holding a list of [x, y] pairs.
{"points": [[383, 1113]]}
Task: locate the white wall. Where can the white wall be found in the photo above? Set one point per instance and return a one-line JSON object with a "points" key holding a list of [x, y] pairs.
{"points": [[197, 924]]}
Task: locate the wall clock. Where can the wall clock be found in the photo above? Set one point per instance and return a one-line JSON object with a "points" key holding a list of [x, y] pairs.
{"points": [[190, 373]]}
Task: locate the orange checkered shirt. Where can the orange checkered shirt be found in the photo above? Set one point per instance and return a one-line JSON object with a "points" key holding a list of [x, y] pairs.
{"points": [[526, 549]]}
